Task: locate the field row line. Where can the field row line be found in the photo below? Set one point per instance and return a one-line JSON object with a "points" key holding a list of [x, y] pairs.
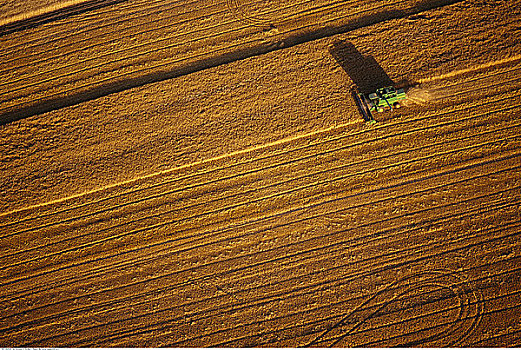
{"points": [[251, 160], [236, 205], [398, 261], [494, 208]]}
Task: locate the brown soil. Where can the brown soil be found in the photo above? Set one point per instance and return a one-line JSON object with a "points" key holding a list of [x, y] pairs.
{"points": [[184, 174]]}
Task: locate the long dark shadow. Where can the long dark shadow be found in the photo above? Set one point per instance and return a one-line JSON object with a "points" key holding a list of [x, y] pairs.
{"points": [[47, 105]]}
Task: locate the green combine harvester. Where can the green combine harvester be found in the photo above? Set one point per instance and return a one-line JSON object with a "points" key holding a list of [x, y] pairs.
{"points": [[379, 101]]}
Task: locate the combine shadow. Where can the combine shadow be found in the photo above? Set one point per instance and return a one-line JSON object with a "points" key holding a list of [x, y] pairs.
{"points": [[346, 54], [366, 74]]}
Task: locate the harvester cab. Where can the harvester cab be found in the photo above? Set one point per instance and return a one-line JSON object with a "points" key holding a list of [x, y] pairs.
{"points": [[386, 97], [382, 98]]}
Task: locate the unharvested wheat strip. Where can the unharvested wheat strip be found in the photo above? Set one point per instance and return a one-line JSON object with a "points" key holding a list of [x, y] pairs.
{"points": [[334, 5], [166, 62]]}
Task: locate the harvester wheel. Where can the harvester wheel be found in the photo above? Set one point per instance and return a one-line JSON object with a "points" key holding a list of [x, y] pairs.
{"points": [[397, 105]]}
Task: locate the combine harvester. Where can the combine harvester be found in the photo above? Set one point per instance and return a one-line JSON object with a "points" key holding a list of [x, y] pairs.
{"points": [[380, 100]]}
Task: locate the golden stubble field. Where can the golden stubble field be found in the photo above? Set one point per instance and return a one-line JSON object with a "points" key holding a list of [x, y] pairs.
{"points": [[196, 173]]}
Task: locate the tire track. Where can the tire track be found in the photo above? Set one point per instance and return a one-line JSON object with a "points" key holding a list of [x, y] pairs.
{"points": [[235, 8], [477, 344], [125, 233], [243, 268], [440, 278], [394, 263], [492, 208], [475, 319]]}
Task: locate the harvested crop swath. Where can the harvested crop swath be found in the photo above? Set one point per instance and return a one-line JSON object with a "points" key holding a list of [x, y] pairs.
{"points": [[280, 245]]}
